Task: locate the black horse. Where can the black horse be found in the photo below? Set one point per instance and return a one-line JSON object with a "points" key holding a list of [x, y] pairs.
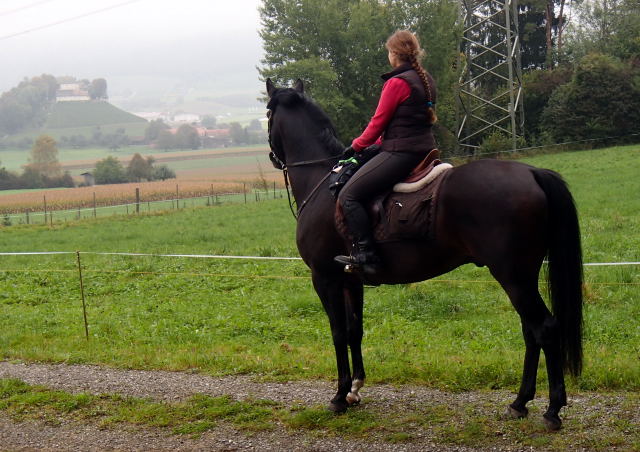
{"points": [[504, 215]]}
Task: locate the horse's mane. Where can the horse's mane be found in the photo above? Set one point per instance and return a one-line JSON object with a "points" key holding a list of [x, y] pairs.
{"points": [[289, 97]]}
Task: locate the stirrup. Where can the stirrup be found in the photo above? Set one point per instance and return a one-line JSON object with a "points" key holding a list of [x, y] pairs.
{"points": [[345, 260], [351, 266]]}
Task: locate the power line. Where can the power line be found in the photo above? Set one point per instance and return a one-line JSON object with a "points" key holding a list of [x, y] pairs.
{"points": [[21, 8], [70, 19]]}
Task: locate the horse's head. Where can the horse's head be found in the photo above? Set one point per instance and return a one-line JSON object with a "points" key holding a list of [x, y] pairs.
{"points": [[287, 97], [297, 124]]}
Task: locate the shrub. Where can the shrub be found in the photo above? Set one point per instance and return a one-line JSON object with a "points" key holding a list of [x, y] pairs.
{"points": [[497, 142], [601, 100]]}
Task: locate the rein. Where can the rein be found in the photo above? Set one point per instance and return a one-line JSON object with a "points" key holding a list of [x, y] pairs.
{"points": [[285, 172]]}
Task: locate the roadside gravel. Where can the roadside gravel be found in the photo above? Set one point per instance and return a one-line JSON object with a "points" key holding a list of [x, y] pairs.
{"points": [[175, 386]]}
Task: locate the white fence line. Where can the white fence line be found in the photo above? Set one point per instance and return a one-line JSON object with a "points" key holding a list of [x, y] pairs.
{"points": [[222, 256]]}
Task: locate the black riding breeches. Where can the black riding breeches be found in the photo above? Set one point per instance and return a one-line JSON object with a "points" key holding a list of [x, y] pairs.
{"points": [[378, 175]]}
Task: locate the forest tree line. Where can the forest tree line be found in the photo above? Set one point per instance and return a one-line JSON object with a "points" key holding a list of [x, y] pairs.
{"points": [[581, 61]]}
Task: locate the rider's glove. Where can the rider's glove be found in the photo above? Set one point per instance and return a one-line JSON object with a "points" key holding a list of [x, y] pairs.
{"points": [[348, 153]]}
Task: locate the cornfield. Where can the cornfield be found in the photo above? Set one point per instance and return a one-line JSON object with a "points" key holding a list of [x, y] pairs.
{"points": [[111, 195]]}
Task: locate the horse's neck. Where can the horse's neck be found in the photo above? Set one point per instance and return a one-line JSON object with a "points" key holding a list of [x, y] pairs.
{"points": [[305, 179]]}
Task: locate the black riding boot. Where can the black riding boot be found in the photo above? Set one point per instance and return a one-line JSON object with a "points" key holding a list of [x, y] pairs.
{"points": [[363, 255]]}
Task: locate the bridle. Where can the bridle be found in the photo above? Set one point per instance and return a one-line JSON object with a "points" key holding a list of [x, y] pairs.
{"points": [[282, 165]]}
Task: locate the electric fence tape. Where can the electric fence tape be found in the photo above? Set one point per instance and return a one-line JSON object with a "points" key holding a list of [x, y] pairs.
{"points": [[222, 256]]}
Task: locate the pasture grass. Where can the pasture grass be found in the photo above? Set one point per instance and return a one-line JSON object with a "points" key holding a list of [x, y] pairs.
{"points": [[476, 425], [14, 159], [223, 317]]}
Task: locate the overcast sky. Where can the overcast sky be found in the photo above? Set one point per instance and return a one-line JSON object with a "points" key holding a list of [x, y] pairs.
{"points": [[119, 38]]}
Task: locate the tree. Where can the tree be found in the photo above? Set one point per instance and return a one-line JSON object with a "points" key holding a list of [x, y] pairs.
{"points": [[187, 137], [538, 87], [328, 44], [254, 126], [98, 89], [163, 172], [166, 140], [337, 48], [208, 121], [115, 140], [43, 159], [109, 171], [602, 99], [152, 132], [606, 26], [140, 168], [238, 133], [8, 180], [27, 104]]}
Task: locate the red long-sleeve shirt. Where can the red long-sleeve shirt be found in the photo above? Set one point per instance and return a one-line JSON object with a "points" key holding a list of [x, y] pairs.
{"points": [[394, 92]]}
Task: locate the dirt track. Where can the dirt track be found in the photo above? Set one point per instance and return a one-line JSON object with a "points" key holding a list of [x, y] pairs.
{"points": [[172, 386]]}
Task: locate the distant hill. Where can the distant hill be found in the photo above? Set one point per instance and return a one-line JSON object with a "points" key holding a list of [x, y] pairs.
{"points": [[91, 113]]}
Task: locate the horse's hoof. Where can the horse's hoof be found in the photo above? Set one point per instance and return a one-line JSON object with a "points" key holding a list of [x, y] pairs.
{"points": [[513, 413], [552, 422], [338, 407], [353, 399]]}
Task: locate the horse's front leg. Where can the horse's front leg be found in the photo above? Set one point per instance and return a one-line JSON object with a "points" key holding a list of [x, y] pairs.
{"points": [[330, 289], [353, 294]]}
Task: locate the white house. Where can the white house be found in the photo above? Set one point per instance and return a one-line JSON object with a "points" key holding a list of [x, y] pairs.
{"points": [[72, 92]]}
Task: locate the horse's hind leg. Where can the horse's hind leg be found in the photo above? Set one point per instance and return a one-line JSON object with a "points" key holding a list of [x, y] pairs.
{"points": [[330, 289], [540, 331], [518, 408], [353, 293]]}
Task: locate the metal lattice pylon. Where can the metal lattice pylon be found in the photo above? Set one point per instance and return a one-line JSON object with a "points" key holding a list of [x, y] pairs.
{"points": [[490, 85]]}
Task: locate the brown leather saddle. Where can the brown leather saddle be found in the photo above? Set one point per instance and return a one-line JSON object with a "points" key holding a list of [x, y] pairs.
{"points": [[401, 216], [424, 167]]}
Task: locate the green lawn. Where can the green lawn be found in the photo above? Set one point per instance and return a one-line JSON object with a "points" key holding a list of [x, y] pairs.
{"points": [[13, 160], [256, 316]]}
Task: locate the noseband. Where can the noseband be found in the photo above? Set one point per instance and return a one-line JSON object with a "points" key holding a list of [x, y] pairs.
{"points": [[282, 165]]}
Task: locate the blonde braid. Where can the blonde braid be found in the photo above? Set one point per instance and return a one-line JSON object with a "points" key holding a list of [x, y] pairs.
{"points": [[427, 87]]}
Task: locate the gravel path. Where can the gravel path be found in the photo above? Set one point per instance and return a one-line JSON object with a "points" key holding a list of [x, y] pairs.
{"points": [[174, 386]]}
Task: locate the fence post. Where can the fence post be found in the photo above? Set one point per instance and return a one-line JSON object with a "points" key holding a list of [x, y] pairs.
{"points": [[27, 216], [94, 205], [137, 200], [50, 217], [177, 198], [274, 189], [45, 209], [244, 190], [79, 212], [84, 305]]}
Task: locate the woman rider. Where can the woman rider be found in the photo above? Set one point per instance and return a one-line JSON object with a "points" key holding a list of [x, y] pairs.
{"points": [[402, 125]]}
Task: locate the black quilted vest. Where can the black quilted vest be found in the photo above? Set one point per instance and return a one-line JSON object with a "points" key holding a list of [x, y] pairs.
{"points": [[409, 130]]}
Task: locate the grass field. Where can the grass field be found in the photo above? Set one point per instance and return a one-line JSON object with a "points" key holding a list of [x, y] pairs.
{"points": [[13, 160], [78, 160], [131, 129], [81, 118], [456, 332], [77, 114]]}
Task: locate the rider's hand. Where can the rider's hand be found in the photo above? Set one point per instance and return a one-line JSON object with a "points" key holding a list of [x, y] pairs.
{"points": [[348, 152]]}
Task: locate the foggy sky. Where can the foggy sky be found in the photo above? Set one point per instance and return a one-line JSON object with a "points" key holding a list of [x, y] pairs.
{"points": [[183, 40]]}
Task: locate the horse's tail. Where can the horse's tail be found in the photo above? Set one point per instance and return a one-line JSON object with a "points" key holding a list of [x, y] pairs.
{"points": [[564, 276]]}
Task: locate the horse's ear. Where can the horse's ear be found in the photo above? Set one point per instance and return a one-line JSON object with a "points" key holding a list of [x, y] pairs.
{"points": [[270, 87], [299, 86]]}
